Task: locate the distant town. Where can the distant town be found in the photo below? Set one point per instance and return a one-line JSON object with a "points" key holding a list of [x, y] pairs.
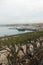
{"points": [[23, 27]]}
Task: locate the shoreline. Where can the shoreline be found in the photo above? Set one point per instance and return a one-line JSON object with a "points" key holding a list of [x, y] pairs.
{"points": [[21, 34], [16, 34], [23, 48], [21, 38]]}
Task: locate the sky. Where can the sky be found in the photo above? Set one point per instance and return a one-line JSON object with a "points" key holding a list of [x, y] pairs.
{"points": [[21, 11]]}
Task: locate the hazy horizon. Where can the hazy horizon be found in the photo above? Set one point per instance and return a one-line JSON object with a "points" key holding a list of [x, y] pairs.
{"points": [[21, 11]]}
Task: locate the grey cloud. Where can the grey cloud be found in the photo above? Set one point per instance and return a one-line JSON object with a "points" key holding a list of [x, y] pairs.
{"points": [[19, 11]]}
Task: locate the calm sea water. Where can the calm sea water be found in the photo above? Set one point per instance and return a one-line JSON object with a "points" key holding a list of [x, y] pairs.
{"points": [[5, 31]]}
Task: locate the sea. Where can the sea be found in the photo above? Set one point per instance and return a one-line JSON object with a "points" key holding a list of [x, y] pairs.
{"points": [[6, 31]]}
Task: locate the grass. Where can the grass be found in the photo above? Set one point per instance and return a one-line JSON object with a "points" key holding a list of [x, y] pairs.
{"points": [[21, 38]]}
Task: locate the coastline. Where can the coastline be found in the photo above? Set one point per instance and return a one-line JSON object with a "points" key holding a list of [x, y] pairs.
{"points": [[21, 38], [22, 49]]}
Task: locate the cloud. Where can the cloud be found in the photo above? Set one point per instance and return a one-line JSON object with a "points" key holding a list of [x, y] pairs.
{"points": [[19, 11]]}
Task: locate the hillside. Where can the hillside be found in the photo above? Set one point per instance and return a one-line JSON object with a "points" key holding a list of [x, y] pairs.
{"points": [[22, 49]]}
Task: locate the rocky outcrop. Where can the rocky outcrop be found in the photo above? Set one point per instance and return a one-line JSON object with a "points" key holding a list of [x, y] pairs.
{"points": [[22, 54], [4, 56]]}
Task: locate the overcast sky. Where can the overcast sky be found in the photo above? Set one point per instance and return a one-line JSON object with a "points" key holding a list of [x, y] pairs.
{"points": [[21, 11]]}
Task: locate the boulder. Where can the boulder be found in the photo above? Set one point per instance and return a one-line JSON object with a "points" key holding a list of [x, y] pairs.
{"points": [[20, 54], [4, 56], [24, 48], [3, 59]]}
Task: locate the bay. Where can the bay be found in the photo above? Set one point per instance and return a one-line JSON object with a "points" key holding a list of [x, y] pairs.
{"points": [[5, 31]]}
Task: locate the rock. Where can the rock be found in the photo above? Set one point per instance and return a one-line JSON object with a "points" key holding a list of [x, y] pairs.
{"points": [[38, 44], [4, 56], [41, 38], [42, 44], [32, 41], [16, 47], [20, 54], [30, 50], [24, 48], [3, 59], [26, 60], [2, 39]]}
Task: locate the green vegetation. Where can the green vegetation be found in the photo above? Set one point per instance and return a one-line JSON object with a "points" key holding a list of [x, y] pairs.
{"points": [[10, 41], [21, 38]]}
